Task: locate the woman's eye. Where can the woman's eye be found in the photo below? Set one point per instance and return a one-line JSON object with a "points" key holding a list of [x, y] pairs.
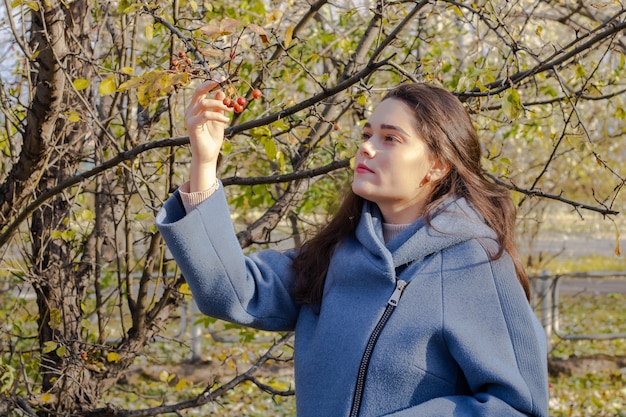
{"points": [[391, 139], [366, 136]]}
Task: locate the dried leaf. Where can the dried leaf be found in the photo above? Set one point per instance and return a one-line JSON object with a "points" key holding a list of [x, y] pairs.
{"points": [[212, 52], [229, 25], [259, 31], [600, 5], [225, 27]]}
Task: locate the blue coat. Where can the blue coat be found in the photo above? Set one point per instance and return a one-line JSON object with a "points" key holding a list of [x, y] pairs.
{"points": [[462, 340]]}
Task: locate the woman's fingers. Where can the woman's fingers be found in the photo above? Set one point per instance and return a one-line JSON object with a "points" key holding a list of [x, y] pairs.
{"points": [[206, 104], [205, 88], [206, 116]]}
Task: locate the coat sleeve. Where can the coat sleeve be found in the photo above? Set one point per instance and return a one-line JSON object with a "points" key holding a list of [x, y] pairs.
{"points": [[494, 336], [249, 290]]}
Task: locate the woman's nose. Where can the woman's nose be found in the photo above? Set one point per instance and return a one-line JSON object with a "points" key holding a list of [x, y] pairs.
{"points": [[367, 149]]}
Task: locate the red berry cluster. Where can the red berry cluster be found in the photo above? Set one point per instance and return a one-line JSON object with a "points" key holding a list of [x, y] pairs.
{"points": [[181, 62], [238, 103]]}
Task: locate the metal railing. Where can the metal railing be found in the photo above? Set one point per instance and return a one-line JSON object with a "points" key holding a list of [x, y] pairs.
{"points": [[547, 289]]}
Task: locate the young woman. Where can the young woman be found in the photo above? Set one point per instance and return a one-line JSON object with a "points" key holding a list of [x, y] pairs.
{"points": [[411, 302]]}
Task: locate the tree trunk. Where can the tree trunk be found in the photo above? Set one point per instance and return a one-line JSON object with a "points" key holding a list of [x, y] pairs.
{"points": [[63, 51]]}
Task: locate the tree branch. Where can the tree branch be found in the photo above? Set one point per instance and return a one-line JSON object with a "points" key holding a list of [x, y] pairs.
{"points": [[538, 193], [611, 27], [205, 397]]}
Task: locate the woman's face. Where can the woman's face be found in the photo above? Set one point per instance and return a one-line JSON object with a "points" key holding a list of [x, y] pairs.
{"points": [[394, 167]]}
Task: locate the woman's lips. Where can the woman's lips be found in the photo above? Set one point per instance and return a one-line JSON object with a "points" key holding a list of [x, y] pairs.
{"points": [[363, 169]]}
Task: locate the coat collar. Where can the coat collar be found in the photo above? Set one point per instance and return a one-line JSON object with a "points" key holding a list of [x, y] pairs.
{"points": [[454, 222]]}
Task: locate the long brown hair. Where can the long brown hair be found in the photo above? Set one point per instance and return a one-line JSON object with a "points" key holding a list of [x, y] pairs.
{"points": [[447, 129]]}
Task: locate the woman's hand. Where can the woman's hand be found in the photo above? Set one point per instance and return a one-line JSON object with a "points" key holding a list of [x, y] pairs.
{"points": [[205, 121]]}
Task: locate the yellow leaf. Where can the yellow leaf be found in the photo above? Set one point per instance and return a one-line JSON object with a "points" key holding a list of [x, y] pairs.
{"points": [[107, 86], [618, 251], [113, 357], [182, 384], [74, 118], [481, 86], [281, 160], [80, 83], [55, 318], [46, 397], [163, 376], [149, 32], [288, 36], [184, 289], [127, 70]]}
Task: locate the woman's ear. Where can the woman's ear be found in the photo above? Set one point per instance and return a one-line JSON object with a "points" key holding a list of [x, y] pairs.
{"points": [[438, 170]]}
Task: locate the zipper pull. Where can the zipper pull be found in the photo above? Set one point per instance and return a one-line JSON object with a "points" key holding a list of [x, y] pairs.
{"points": [[395, 297]]}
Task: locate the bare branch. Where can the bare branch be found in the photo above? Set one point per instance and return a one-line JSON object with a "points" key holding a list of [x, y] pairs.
{"points": [[207, 396], [538, 193]]}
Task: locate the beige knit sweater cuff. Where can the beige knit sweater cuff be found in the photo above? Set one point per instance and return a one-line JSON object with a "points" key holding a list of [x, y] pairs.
{"points": [[193, 200]]}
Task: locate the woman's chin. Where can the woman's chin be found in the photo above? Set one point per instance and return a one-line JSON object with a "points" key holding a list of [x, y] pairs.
{"points": [[362, 191]]}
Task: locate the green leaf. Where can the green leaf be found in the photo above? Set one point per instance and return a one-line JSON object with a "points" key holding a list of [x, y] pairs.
{"points": [[143, 216], [49, 346], [61, 351], [511, 104], [7, 377], [270, 149]]}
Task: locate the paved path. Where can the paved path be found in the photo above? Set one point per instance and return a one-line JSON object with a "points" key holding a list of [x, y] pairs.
{"points": [[592, 285]]}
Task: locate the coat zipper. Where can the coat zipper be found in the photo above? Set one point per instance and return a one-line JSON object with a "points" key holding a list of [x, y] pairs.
{"points": [[369, 348]]}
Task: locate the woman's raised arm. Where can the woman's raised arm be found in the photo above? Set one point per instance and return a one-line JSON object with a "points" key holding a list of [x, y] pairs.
{"points": [[205, 119]]}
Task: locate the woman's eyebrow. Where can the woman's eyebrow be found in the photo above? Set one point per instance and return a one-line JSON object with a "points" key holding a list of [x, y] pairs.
{"points": [[385, 126]]}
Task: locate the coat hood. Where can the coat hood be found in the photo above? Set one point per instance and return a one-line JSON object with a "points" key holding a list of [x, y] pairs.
{"points": [[454, 222]]}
